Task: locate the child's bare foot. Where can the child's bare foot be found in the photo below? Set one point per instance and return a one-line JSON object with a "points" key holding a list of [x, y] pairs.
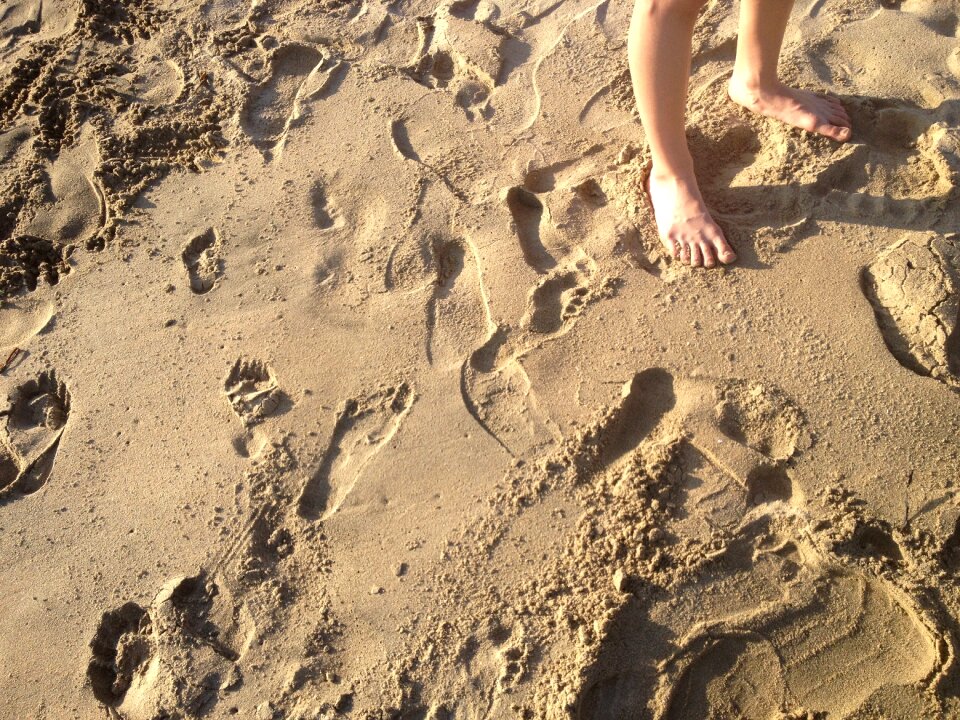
{"points": [[684, 223], [821, 114]]}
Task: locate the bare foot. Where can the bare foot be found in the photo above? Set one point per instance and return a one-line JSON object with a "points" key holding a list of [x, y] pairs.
{"points": [[821, 114], [684, 223]]}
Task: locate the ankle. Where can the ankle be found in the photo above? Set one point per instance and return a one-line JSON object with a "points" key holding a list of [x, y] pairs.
{"points": [[672, 175], [678, 184], [750, 87]]}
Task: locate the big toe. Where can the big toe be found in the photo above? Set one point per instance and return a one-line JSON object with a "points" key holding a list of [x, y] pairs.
{"points": [[726, 255], [724, 252], [834, 132]]}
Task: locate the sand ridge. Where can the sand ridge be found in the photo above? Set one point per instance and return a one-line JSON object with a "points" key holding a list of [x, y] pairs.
{"points": [[348, 378]]}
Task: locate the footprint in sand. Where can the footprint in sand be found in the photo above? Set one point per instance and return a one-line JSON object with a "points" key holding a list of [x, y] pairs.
{"points": [[203, 259], [410, 265], [527, 210], [363, 427], [496, 656], [456, 310], [555, 209], [74, 209], [462, 55], [914, 287], [251, 388], [772, 626], [173, 658], [558, 298], [902, 161], [324, 214], [36, 417], [738, 439], [493, 383], [21, 18], [272, 106]]}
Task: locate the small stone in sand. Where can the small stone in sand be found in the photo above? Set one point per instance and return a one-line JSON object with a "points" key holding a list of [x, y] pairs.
{"points": [[620, 580], [376, 590]]}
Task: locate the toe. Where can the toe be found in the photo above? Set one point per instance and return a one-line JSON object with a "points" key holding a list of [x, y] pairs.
{"points": [[837, 119], [696, 259], [706, 250], [834, 132], [671, 245], [725, 253], [839, 108], [685, 253]]}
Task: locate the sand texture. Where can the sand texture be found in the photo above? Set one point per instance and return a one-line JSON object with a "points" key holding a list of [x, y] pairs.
{"points": [[346, 377]]}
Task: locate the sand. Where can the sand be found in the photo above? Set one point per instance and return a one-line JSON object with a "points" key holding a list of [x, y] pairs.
{"points": [[347, 377]]}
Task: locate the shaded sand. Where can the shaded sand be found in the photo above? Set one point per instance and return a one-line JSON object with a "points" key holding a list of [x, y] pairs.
{"points": [[348, 378]]}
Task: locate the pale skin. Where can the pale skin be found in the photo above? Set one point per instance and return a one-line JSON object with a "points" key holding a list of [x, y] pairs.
{"points": [[659, 47]]}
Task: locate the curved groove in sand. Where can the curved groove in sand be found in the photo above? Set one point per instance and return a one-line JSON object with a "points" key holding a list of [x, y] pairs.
{"points": [[561, 36]]}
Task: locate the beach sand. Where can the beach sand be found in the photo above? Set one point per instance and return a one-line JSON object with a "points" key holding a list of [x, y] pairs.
{"points": [[348, 378]]}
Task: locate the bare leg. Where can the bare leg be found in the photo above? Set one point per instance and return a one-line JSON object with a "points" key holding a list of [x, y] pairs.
{"points": [[755, 84], [659, 48]]}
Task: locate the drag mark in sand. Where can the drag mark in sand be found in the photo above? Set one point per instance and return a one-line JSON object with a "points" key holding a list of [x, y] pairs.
{"points": [[404, 148], [36, 417], [362, 429]]}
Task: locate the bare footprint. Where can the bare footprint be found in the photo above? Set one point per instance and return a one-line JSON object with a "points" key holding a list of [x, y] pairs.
{"points": [[21, 18], [363, 427], [270, 106], [251, 388], [527, 210], [460, 55], [73, 211], [494, 384], [203, 259], [36, 417], [457, 311], [324, 214], [913, 287], [558, 298], [175, 657]]}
